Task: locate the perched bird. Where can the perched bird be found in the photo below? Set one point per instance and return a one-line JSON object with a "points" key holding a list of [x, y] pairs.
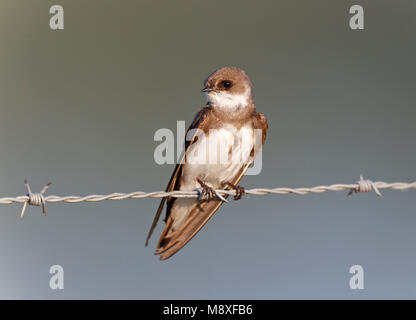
{"points": [[224, 132]]}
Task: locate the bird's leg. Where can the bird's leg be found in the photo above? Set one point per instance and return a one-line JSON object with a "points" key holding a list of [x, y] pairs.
{"points": [[239, 190], [207, 192]]}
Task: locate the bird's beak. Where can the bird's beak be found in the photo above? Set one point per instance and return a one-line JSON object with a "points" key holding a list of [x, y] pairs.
{"points": [[207, 89]]}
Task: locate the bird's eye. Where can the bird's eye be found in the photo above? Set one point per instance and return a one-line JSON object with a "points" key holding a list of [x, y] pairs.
{"points": [[227, 84]]}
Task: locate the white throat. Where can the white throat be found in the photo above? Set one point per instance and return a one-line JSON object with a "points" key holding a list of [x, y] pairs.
{"points": [[228, 101]]}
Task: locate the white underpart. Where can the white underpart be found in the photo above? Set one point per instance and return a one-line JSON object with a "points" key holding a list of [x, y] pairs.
{"points": [[228, 101], [215, 158]]}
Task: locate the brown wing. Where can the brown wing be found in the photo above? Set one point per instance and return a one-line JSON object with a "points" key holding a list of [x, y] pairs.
{"points": [[171, 243], [173, 182]]}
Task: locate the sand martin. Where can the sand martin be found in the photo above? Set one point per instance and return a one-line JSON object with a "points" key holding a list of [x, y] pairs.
{"points": [[228, 119]]}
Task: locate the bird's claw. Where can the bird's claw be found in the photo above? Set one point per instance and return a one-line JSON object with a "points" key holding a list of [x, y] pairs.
{"points": [[207, 193], [239, 190]]}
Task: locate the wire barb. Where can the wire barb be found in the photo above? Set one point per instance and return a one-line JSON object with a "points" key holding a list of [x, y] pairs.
{"points": [[35, 199], [364, 186]]}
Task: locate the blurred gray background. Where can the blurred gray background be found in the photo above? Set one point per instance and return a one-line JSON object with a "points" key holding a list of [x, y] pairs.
{"points": [[79, 107]]}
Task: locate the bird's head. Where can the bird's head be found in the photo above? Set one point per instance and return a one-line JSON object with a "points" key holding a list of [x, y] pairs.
{"points": [[228, 88]]}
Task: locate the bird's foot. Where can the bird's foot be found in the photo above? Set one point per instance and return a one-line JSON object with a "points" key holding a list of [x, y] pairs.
{"points": [[239, 190], [207, 192]]}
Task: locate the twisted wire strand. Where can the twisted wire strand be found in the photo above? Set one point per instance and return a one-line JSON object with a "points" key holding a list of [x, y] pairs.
{"points": [[362, 185]]}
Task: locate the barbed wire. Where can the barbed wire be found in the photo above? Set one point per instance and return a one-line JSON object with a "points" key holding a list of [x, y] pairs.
{"points": [[362, 185]]}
